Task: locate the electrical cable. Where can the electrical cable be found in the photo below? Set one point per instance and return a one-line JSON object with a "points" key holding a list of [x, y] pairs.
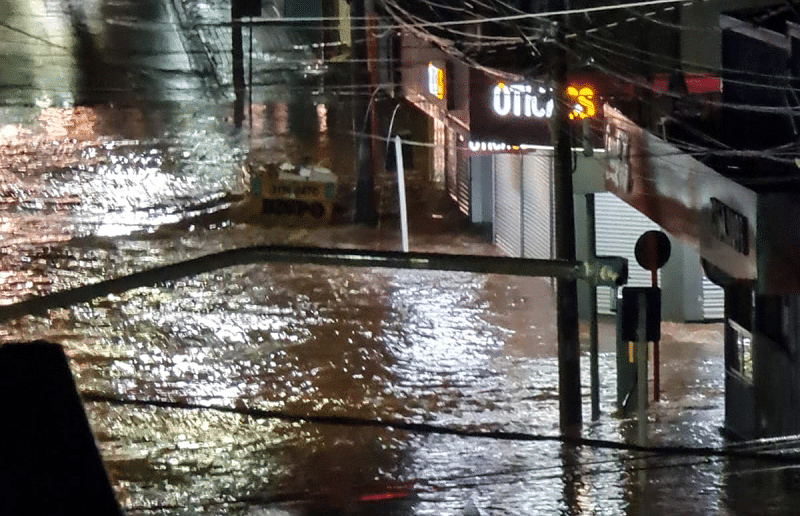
{"points": [[458, 35], [445, 24], [626, 50], [554, 13], [645, 85], [355, 88], [743, 107], [534, 49], [783, 78], [428, 428]]}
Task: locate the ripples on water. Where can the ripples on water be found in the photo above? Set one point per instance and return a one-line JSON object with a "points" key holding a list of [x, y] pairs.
{"points": [[453, 349], [447, 348]]}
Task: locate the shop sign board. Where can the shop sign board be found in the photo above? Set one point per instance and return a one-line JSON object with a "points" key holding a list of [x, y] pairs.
{"points": [[507, 115], [423, 75], [436, 81]]}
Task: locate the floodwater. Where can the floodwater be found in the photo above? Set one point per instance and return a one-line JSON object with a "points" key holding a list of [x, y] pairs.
{"points": [[457, 350], [229, 369]]}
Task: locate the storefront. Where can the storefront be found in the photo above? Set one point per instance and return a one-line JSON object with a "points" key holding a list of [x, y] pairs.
{"points": [[510, 141], [747, 248], [433, 83]]}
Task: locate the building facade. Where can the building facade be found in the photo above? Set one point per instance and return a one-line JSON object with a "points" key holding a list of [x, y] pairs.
{"points": [[694, 132]]}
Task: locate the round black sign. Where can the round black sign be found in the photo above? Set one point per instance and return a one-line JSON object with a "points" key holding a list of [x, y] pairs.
{"points": [[652, 250]]}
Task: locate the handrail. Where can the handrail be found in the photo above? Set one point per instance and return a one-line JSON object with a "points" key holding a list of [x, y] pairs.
{"points": [[596, 272]]}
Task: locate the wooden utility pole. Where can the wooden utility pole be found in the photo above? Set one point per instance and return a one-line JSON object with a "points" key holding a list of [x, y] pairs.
{"points": [[569, 372], [365, 211], [594, 361], [239, 87]]}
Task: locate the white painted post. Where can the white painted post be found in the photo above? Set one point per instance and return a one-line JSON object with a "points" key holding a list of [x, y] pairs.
{"points": [[401, 190]]}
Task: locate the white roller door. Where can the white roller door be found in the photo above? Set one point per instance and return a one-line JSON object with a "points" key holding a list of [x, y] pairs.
{"points": [[537, 206], [508, 203], [618, 227], [464, 180], [713, 301]]}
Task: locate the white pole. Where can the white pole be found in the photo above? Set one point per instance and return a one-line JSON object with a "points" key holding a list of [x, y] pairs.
{"points": [[401, 190]]}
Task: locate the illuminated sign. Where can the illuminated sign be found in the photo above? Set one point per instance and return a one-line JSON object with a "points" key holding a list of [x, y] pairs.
{"points": [[521, 100], [526, 101], [517, 112], [584, 106], [475, 147], [488, 146], [491, 147], [435, 81]]}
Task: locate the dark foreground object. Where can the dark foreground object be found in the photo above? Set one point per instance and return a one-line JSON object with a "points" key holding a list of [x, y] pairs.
{"points": [[49, 462]]}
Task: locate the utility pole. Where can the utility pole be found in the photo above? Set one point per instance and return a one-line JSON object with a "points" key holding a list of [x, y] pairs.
{"points": [[569, 372], [365, 211], [594, 362], [239, 87]]}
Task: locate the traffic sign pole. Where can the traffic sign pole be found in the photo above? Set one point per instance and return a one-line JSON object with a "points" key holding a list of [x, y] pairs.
{"points": [[652, 252]]}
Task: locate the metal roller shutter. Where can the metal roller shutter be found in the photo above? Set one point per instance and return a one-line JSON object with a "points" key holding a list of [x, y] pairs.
{"points": [[464, 181], [507, 203], [537, 216], [618, 226], [452, 161], [713, 300]]}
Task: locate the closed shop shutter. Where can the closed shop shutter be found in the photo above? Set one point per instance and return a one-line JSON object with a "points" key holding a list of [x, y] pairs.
{"points": [[452, 161], [439, 154], [507, 203], [618, 226], [713, 300], [464, 180], [537, 213]]}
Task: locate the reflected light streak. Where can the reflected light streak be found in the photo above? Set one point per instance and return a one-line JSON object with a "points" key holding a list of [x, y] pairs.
{"points": [[322, 118]]}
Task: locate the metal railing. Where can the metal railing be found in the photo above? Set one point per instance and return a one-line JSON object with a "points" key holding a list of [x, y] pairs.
{"points": [[609, 271]]}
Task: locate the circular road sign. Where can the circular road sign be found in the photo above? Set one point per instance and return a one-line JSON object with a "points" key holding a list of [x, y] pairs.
{"points": [[652, 250]]}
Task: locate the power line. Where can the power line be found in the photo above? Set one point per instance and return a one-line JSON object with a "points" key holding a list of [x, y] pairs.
{"points": [[549, 14], [472, 62], [429, 428], [32, 36]]}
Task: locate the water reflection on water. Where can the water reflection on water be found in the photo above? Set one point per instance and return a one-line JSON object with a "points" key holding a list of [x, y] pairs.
{"points": [[456, 349]]}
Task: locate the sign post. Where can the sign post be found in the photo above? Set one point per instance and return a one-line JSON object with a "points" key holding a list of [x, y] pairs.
{"points": [[652, 252], [640, 318], [401, 191], [640, 323]]}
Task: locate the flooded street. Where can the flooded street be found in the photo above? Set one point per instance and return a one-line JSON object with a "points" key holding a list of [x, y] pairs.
{"points": [[271, 389], [456, 350]]}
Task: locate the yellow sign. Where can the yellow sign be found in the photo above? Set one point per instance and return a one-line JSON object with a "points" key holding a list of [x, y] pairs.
{"points": [[435, 81], [584, 106]]}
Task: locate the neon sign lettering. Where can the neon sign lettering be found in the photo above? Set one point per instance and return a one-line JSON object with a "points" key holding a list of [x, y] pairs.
{"points": [[584, 106], [491, 146], [521, 101]]}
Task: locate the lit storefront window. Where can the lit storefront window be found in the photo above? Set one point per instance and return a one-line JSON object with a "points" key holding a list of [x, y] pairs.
{"points": [[744, 351]]}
